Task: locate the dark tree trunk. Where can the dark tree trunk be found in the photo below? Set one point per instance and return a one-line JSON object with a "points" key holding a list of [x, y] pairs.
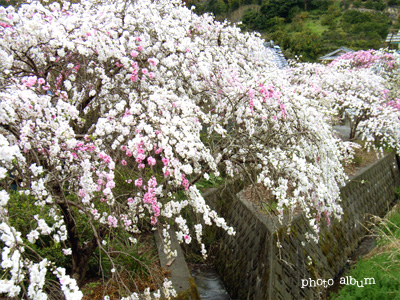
{"points": [[81, 250], [80, 265]]}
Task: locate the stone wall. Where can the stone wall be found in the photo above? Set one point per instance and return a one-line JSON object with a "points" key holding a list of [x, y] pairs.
{"points": [[251, 264]]}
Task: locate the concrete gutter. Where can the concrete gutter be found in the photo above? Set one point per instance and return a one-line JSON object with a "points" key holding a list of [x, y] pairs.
{"points": [[181, 278]]}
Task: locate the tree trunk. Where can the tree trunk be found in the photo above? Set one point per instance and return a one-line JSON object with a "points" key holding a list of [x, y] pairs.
{"points": [[80, 265], [81, 251]]}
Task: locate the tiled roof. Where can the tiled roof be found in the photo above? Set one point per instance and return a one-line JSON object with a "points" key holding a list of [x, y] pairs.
{"points": [[336, 53]]}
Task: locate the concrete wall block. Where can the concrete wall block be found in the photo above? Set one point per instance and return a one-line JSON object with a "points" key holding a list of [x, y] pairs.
{"points": [[266, 272]]}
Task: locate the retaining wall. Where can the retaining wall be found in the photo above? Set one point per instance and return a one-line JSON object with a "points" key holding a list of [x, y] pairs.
{"points": [[251, 264]]}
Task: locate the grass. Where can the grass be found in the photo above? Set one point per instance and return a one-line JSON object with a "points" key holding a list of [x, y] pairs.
{"points": [[138, 270], [382, 264], [316, 26]]}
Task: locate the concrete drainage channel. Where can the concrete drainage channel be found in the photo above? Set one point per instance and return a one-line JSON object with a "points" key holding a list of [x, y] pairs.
{"points": [[205, 284], [208, 283]]}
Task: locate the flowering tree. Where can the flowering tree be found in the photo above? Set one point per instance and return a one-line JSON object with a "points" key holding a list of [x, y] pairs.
{"points": [[109, 111], [359, 87]]}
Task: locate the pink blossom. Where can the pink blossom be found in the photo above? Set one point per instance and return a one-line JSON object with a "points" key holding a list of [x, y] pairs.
{"points": [[31, 81], [123, 162], [158, 151], [185, 182], [109, 176], [139, 182], [140, 150], [141, 166], [134, 53], [145, 71], [328, 219], [112, 221], [140, 157], [151, 161], [152, 183], [128, 153], [151, 75], [139, 48], [107, 191], [134, 78], [153, 61], [156, 210], [165, 161], [110, 184], [81, 193], [149, 197]]}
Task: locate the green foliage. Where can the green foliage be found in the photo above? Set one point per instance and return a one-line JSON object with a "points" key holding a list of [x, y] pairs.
{"points": [[306, 43], [383, 266], [334, 23], [218, 7], [375, 4], [233, 4], [330, 18], [252, 20], [213, 181], [21, 208], [134, 259], [6, 3], [274, 24], [366, 23], [279, 8], [317, 27], [354, 16], [386, 275]]}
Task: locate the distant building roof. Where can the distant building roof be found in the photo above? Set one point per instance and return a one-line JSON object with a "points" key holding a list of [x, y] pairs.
{"points": [[335, 54], [393, 38], [277, 55]]}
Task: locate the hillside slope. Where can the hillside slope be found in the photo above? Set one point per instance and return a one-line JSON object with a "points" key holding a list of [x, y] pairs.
{"points": [[311, 28]]}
